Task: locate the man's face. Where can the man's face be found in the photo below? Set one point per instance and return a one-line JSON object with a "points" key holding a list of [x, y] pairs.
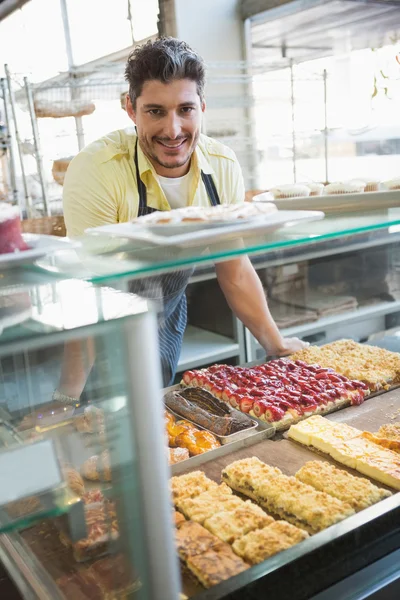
{"points": [[168, 121]]}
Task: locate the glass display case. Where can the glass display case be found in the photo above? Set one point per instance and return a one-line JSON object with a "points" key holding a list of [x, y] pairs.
{"points": [[100, 302]]}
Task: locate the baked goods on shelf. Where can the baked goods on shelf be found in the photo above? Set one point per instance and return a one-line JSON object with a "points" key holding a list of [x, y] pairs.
{"points": [[295, 190], [345, 187], [206, 410], [356, 491], [257, 546], [59, 169], [74, 481], [216, 565], [214, 214], [281, 391], [192, 539], [190, 485], [377, 367], [177, 455], [385, 442], [91, 421], [11, 239], [229, 525], [392, 184], [182, 434], [206, 504], [24, 507], [102, 528], [97, 467], [58, 109], [351, 448], [286, 497]]}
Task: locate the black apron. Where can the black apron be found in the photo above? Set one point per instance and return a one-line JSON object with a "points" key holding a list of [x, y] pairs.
{"points": [[168, 288]]}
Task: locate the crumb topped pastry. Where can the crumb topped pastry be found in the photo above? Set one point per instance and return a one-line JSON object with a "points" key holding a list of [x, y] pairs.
{"points": [[190, 485], [257, 546], [356, 491], [216, 565], [231, 525]]}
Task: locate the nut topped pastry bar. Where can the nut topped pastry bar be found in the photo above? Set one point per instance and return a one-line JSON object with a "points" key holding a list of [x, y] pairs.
{"points": [[257, 546], [356, 491], [288, 498], [376, 367]]}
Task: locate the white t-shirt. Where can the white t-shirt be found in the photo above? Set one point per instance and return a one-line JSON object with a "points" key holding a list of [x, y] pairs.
{"points": [[176, 189]]}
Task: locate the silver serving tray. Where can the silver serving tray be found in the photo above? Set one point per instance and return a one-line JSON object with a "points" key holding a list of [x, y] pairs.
{"points": [[224, 439]]}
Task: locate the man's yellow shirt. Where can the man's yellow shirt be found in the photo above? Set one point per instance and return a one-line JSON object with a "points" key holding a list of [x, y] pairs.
{"points": [[100, 185]]}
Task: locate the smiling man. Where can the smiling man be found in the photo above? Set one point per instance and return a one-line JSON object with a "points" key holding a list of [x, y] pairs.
{"points": [[167, 164]]}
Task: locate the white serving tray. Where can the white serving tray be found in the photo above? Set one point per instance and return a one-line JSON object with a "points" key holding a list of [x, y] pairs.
{"points": [[339, 203], [207, 234], [39, 245]]}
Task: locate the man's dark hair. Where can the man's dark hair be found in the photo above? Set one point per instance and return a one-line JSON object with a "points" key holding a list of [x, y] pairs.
{"points": [[166, 59]]}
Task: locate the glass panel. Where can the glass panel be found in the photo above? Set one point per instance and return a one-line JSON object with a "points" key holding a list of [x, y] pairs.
{"points": [[72, 530], [136, 259]]}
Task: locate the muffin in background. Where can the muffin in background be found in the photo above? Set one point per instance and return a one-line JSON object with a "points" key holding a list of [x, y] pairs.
{"points": [[316, 189], [392, 184], [294, 190], [371, 185], [345, 187]]}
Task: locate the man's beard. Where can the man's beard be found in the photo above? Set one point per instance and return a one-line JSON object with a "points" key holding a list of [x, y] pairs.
{"points": [[153, 156]]}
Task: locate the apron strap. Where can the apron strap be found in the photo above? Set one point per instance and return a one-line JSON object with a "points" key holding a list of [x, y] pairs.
{"points": [[211, 189], [144, 209]]}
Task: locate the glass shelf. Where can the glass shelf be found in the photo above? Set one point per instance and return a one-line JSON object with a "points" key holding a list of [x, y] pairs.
{"points": [[104, 259]]}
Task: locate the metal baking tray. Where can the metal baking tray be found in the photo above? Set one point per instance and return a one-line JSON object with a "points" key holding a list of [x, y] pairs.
{"points": [[224, 439], [201, 459]]}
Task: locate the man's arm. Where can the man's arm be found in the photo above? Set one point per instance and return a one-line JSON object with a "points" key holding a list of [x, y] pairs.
{"points": [[245, 295]]}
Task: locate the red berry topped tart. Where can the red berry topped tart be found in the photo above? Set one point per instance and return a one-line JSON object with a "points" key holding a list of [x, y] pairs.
{"points": [[11, 239], [281, 391]]}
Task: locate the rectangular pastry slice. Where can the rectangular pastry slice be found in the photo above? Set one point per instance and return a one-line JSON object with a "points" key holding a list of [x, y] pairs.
{"points": [[358, 492], [289, 498], [257, 546], [385, 442], [381, 466], [231, 525], [242, 474], [302, 432], [190, 485], [179, 519], [192, 539], [350, 451], [339, 432], [205, 505], [216, 565]]}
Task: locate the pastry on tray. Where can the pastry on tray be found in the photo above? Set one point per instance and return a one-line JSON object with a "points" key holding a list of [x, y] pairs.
{"points": [[182, 434], [190, 485], [196, 214], [179, 519], [286, 497], [102, 528], [177, 455], [97, 467], [74, 481], [376, 367], [192, 539], [356, 491], [80, 586], [281, 391], [233, 524], [204, 409], [388, 436], [216, 565], [91, 421], [358, 452], [258, 545], [208, 503]]}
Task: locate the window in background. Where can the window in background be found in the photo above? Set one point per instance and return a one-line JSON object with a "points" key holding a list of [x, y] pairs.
{"points": [[32, 40], [101, 28]]}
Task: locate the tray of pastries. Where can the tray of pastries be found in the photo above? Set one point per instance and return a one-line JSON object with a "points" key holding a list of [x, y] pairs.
{"points": [[378, 368], [280, 392], [352, 447], [208, 412]]}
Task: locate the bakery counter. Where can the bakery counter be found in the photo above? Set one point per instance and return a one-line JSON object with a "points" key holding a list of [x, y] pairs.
{"points": [[333, 554]]}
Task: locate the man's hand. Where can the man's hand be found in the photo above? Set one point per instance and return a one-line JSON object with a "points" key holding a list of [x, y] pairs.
{"points": [[288, 346]]}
